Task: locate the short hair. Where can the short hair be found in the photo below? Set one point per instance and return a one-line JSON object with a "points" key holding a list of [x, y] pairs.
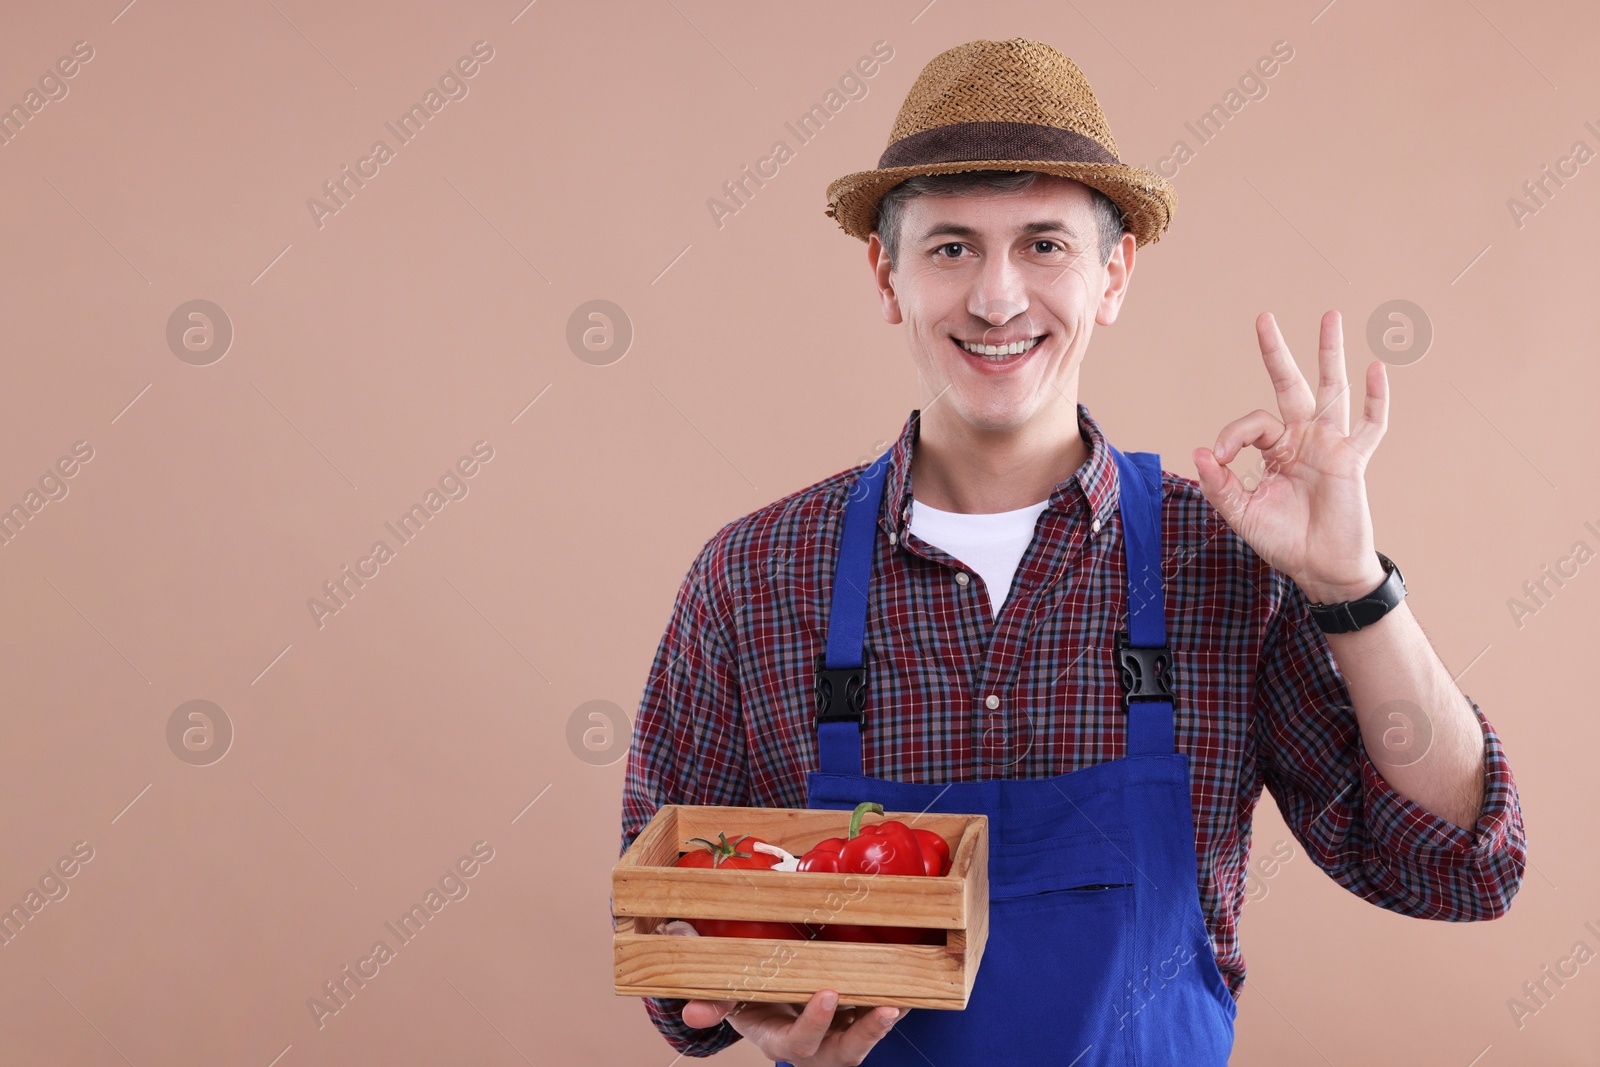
{"points": [[1108, 215]]}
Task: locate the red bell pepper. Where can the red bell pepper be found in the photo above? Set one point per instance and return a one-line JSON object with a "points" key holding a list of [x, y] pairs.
{"points": [[823, 856], [935, 853], [889, 847]]}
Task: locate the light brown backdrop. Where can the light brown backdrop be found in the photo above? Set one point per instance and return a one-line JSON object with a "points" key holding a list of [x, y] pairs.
{"points": [[445, 703]]}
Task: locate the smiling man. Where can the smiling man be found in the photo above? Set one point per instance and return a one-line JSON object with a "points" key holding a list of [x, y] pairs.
{"points": [[1000, 294], [1005, 614]]}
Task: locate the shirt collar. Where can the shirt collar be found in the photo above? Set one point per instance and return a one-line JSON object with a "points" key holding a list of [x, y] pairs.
{"points": [[1092, 487]]}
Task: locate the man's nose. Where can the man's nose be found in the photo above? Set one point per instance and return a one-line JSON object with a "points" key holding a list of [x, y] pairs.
{"points": [[998, 294]]}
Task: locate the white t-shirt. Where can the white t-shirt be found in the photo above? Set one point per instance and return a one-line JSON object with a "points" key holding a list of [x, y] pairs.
{"points": [[991, 544]]}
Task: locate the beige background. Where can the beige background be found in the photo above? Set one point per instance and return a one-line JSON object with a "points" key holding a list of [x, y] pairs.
{"points": [[436, 709]]}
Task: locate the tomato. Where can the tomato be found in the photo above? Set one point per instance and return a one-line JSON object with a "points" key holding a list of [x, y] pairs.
{"points": [[723, 855]]}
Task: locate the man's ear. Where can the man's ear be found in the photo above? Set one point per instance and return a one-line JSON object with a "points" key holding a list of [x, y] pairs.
{"points": [[883, 277], [1118, 274]]}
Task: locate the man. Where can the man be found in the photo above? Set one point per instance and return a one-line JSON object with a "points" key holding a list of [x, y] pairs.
{"points": [[1018, 619]]}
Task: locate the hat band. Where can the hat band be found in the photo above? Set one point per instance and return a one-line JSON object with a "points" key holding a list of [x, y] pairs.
{"points": [[965, 142]]}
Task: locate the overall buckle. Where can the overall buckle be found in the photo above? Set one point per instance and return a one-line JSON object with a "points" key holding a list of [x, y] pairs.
{"points": [[1146, 671], [841, 693]]}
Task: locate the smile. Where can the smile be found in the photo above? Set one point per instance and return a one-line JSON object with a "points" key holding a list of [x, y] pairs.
{"points": [[999, 354]]}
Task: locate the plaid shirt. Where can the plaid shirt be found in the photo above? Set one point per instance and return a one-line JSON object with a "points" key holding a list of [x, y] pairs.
{"points": [[727, 713]]}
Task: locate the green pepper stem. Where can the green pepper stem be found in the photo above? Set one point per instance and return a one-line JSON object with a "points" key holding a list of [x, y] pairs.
{"points": [[861, 809]]}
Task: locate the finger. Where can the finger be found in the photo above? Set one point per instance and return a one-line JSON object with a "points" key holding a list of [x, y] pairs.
{"points": [[765, 1025], [1220, 487], [807, 1031], [868, 1030], [1374, 411], [1333, 388], [1259, 428], [1295, 401], [703, 1013]]}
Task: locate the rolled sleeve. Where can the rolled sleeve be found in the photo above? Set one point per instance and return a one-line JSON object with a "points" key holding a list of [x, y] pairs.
{"points": [[1369, 838], [1403, 827], [1481, 867]]}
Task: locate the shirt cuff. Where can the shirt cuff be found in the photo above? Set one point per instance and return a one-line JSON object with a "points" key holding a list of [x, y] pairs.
{"points": [[1402, 827]]}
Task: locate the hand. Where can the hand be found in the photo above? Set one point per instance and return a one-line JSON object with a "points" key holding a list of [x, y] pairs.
{"points": [[1308, 516], [815, 1037]]}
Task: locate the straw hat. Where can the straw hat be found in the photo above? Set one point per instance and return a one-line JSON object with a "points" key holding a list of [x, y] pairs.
{"points": [[1004, 105]]}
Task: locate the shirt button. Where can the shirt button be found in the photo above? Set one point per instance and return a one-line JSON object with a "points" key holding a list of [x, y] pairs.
{"points": [[991, 702], [893, 537], [961, 578], [1094, 527]]}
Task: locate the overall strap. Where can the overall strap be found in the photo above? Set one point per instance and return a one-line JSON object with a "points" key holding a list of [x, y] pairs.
{"points": [[1143, 661], [841, 692]]}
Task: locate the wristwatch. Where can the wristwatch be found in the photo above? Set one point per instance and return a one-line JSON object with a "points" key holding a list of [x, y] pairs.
{"points": [[1354, 614]]}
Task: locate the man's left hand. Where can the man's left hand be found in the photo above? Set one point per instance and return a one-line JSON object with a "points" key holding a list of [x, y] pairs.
{"points": [[1307, 513]]}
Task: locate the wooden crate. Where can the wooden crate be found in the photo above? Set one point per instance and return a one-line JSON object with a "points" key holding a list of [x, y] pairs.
{"points": [[647, 888]]}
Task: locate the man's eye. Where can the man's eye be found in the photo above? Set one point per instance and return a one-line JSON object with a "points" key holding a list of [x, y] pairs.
{"points": [[952, 244], [1052, 244]]}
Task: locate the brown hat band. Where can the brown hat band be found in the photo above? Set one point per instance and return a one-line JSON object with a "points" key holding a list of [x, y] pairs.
{"points": [[972, 141]]}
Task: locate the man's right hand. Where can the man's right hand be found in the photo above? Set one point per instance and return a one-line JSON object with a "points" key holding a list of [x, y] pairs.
{"points": [[815, 1037]]}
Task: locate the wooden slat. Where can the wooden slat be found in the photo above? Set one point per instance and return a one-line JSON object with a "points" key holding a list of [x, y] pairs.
{"points": [[726, 968], [874, 900], [657, 843], [797, 829], [974, 860]]}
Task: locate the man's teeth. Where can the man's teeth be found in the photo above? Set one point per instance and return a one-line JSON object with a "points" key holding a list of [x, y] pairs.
{"points": [[999, 352]]}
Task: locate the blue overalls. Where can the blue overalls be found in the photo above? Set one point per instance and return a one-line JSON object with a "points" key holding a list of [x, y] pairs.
{"points": [[1097, 951]]}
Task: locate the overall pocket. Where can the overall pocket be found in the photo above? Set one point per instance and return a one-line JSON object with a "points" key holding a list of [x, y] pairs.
{"points": [[1058, 963]]}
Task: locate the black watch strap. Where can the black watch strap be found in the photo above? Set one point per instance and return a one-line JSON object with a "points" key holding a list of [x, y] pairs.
{"points": [[1354, 614]]}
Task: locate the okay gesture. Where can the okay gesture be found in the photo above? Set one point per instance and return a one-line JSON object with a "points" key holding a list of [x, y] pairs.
{"points": [[1307, 515]]}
